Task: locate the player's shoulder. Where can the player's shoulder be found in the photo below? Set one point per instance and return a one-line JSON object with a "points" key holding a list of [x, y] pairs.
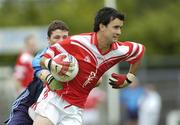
{"points": [[41, 52], [82, 37], [128, 43]]}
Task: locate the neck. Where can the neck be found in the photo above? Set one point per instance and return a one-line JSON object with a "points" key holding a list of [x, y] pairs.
{"points": [[103, 44]]}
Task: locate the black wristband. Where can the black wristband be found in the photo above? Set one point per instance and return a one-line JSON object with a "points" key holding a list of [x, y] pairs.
{"points": [[128, 81], [49, 78]]}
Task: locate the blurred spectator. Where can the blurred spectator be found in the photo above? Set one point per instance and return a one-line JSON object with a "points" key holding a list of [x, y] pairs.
{"points": [[23, 71], [150, 106], [130, 98], [91, 114]]}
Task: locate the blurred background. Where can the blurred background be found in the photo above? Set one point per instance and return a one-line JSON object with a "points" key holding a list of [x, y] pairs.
{"points": [[154, 23]]}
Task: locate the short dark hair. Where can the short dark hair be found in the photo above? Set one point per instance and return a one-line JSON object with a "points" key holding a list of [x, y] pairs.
{"points": [[56, 24], [105, 15]]}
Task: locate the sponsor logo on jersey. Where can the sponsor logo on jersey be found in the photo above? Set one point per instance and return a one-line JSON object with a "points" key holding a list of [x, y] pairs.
{"points": [[90, 79]]}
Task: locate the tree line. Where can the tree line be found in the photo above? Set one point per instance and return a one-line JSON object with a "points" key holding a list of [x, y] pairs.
{"points": [[154, 23]]}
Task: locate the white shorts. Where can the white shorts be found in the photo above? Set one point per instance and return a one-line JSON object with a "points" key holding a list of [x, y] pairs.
{"points": [[57, 110], [91, 116]]}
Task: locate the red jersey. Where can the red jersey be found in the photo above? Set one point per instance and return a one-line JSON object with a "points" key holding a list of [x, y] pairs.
{"points": [[23, 70], [92, 63]]}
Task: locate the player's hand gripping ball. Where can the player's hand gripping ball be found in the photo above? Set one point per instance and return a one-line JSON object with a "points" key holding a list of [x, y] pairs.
{"points": [[65, 67]]}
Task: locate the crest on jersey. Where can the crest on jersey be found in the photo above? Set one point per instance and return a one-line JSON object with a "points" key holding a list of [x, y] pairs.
{"points": [[87, 59]]}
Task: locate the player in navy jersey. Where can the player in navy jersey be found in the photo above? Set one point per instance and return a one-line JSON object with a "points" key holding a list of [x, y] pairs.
{"points": [[96, 53], [57, 31]]}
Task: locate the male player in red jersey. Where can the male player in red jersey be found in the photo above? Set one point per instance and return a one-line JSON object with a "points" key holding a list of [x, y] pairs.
{"points": [[23, 71], [96, 52]]}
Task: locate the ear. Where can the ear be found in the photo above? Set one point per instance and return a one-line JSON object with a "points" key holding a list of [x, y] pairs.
{"points": [[48, 38], [101, 27]]}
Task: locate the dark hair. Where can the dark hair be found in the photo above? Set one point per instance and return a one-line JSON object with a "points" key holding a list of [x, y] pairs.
{"points": [[57, 24], [105, 16]]}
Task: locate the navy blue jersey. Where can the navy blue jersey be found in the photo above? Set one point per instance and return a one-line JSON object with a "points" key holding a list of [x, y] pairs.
{"points": [[19, 112], [36, 62]]}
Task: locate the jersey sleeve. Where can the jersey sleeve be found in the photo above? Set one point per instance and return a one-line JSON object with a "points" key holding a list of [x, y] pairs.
{"points": [[57, 48], [36, 62], [136, 51]]}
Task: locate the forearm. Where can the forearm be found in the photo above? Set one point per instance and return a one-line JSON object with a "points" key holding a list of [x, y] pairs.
{"points": [[134, 67], [123, 80], [136, 57], [47, 77], [42, 62], [43, 74]]}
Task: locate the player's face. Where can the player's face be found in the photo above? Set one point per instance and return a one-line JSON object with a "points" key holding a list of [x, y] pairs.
{"points": [[57, 35], [113, 30], [31, 45]]}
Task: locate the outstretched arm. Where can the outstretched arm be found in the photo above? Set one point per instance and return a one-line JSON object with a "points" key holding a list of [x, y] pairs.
{"points": [[44, 74]]}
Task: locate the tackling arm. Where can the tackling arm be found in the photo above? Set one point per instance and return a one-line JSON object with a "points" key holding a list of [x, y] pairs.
{"points": [[44, 74]]}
